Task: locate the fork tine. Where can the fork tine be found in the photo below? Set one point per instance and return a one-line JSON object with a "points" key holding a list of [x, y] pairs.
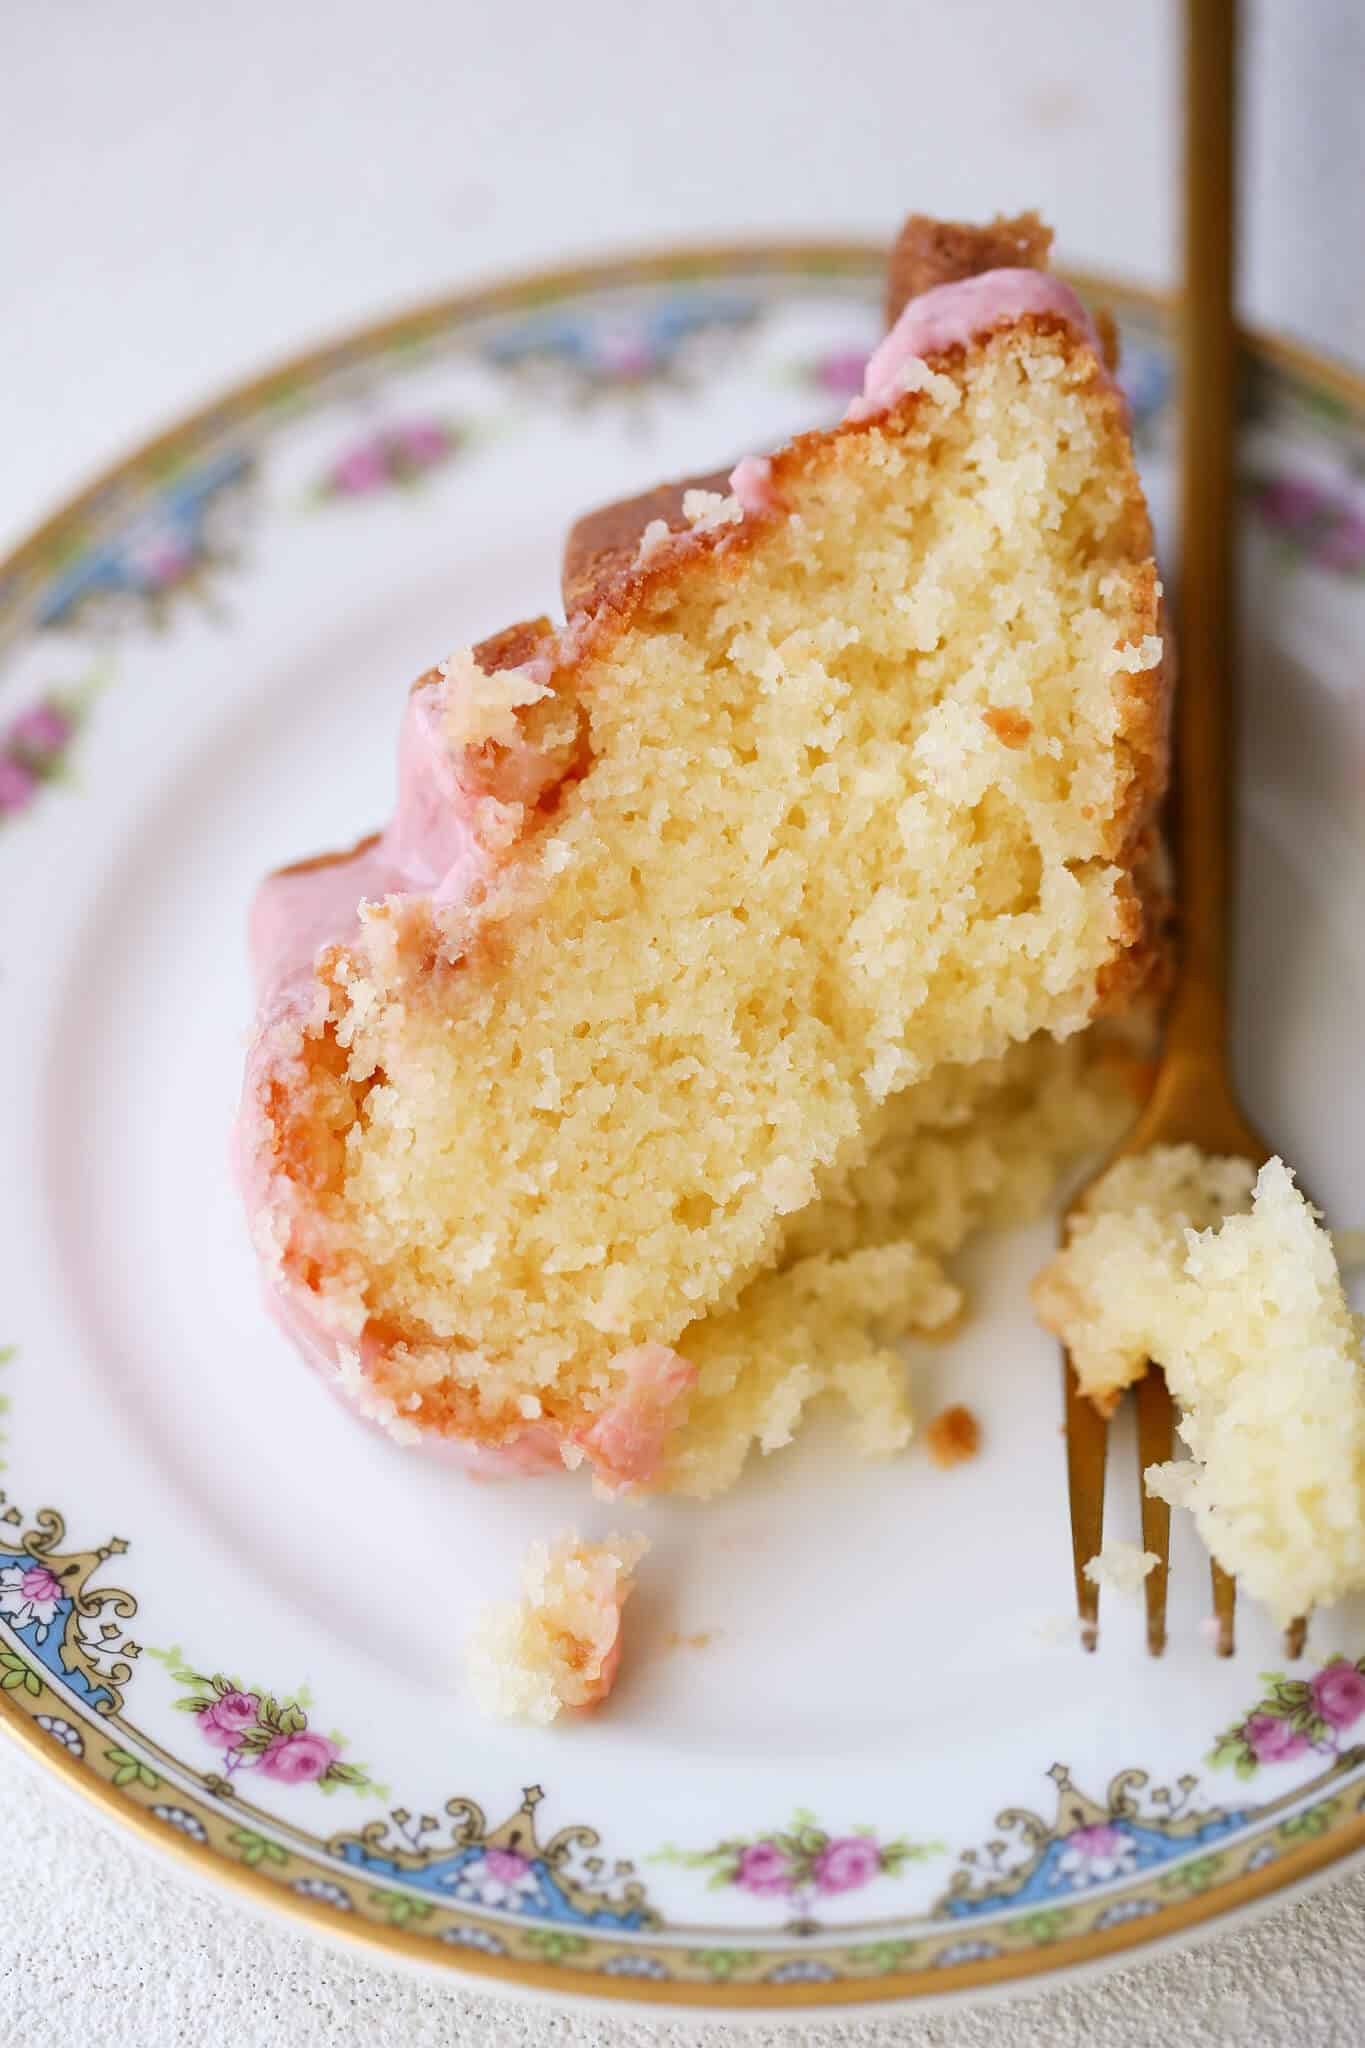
{"points": [[1155, 1445], [1224, 1606], [1087, 1443]]}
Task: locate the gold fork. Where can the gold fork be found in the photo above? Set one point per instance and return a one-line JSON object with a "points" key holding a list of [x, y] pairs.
{"points": [[1193, 1100]]}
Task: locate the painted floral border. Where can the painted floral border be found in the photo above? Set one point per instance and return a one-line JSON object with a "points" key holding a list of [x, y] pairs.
{"points": [[502, 1892], [169, 528]]}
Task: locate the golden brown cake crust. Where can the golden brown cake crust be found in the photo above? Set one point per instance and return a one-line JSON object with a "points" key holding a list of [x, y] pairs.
{"points": [[930, 252], [602, 543], [510, 648]]}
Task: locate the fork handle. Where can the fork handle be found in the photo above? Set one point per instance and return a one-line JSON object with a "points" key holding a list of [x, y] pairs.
{"points": [[1204, 698]]}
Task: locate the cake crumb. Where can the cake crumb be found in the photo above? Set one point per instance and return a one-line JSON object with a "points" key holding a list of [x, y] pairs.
{"points": [[559, 1645], [480, 708], [1009, 726], [953, 1437], [1228, 1278], [1121, 1567], [706, 510], [655, 538], [698, 1640]]}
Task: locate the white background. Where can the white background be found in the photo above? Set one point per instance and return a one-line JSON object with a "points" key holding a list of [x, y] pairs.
{"points": [[188, 192]]}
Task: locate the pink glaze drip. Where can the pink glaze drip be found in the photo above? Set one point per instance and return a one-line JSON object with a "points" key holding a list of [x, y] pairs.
{"points": [[430, 847], [953, 314], [626, 1443], [596, 1692], [752, 483]]}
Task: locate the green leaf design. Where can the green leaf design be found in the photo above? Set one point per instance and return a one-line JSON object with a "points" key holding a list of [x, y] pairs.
{"points": [[1045, 1925], [1195, 1876], [293, 1720], [553, 1944], [257, 1849], [399, 1908], [880, 1956], [130, 1769], [19, 1674], [719, 1963], [176, 1667], [256, 1739], [1314, 1820], [701, 1859], [895, 1855], [1232, 1751]]}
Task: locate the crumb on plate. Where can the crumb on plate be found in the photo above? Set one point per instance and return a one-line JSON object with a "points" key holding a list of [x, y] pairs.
{"points": [[559, 1645], [953, 1436]]}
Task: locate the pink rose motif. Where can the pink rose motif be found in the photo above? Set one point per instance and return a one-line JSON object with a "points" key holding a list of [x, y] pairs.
{"points": [[628, 357], [1338, 1694], [299, 1759], [1293, 504], [1095, 1854], [41, 1586], [226, 1721], [365, 468], [1271, 1740], [41, 730], [846, 1863], [162, 560], [505, 1865], [421, 442], [842, 373], [17, 784], [1100, 1840], [765, 1869], [1343, 549]]}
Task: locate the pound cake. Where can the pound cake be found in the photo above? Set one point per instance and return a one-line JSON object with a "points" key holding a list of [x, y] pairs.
{"points": [[835, 782], [1250, 1323]]}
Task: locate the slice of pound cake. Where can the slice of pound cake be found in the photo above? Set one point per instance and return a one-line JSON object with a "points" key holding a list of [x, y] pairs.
{"points": [[837, 776]]}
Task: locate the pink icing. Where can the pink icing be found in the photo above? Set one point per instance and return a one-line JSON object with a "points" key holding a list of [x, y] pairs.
{"points": [[752, 483], [431, 846], [953, 314], [595, 1693], [626, 1442]]}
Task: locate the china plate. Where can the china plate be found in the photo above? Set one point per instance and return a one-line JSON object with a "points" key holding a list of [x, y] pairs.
{"points": [[856, 1753]]}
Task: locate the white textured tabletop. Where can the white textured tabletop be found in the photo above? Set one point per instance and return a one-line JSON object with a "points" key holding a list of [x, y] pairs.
{"points": [[191, 192]]}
